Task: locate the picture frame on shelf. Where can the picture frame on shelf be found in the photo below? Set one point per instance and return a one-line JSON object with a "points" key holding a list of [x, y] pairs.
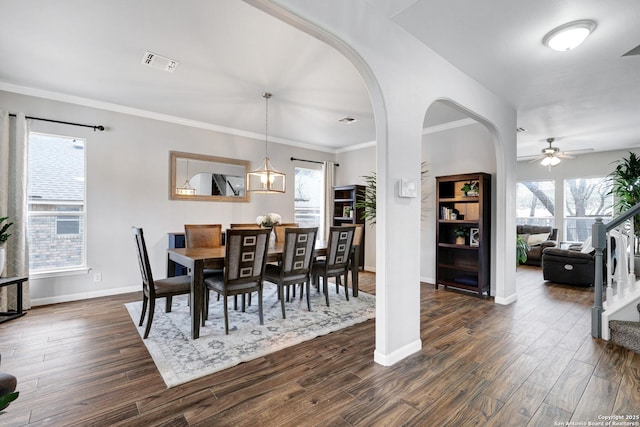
{"points": [[474, 237]]}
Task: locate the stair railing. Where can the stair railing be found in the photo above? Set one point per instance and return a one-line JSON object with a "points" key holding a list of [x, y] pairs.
{"points": [[621, 230]]}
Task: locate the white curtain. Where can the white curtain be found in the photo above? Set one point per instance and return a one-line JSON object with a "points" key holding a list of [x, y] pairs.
{"points": [[13, 204], [328, 170]]}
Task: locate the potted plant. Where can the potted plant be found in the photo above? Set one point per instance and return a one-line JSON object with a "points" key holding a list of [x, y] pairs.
{"points": [[625, 180], [4, 235], [461, 234], [522, 248], [470, 189]]}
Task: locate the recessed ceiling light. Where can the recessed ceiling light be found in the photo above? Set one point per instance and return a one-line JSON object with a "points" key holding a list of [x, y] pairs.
{"points": [[569, 35], [160, 62], [347, 120]]}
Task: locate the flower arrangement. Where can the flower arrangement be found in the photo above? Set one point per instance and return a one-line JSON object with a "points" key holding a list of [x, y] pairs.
{"points": [[269, 220]]}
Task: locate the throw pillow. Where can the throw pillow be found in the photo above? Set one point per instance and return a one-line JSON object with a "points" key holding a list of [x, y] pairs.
{"points": [[536, 239], [586, 246], [524, 237]]}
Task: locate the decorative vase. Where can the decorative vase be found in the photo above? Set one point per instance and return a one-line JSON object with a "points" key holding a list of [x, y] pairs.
{"points": [[272, 239], [460, 240], [3, 260]]}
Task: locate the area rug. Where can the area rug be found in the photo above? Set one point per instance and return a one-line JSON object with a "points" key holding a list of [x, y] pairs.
{"points": [[181, 359]]}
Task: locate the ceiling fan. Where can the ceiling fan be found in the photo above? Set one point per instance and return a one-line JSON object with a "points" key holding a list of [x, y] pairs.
{"points": [[551, 156]]}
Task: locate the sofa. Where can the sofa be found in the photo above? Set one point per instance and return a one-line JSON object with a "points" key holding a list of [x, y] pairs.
{"points": [[539, 237]]}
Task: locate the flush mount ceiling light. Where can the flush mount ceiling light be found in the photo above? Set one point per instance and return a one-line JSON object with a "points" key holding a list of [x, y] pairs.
{"points": [[266, 179], [570, 35]]}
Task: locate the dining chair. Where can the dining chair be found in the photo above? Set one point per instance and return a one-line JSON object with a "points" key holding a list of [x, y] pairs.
{"points": [[244, 265], [279, 230], [204, 236], [245, 225], [336, 263], [154, 289], [295, 266]]}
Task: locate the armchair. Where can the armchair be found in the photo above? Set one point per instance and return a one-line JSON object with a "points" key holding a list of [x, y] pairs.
{"points": [[573, 266], [539, 237]]}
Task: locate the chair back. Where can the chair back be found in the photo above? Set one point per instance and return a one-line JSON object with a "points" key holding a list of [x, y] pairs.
{"points": [[203, 235], [245, 256], [143, 260], [358, 234], [244, 225], [339, 247], [279, 230], [297, 253]]}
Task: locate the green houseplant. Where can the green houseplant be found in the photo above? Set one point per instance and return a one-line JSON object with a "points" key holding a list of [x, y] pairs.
{"points": [[461, 234], [522, 248], [470, 188], [625, 187]]}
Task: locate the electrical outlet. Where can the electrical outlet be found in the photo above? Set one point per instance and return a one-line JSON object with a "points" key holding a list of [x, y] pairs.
{"points": [[97, 277]]}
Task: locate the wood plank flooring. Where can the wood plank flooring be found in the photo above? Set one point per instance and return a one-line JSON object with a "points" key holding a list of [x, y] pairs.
{"points": [[529, 363]]}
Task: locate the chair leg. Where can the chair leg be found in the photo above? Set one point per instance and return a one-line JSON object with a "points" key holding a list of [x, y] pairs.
{"points": [[152, 307], [308, 282], [167, 309], [226, 314], [205, 308], [145, 299], [284, 316], [346, 284], [326, 289], [260, 305]]}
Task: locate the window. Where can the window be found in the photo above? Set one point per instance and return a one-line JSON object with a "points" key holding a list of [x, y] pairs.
{"points": [[309, 198], [585, 200], [535, 203], [56, 225]]}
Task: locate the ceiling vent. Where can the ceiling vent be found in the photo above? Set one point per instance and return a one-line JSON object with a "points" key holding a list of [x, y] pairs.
{"points": [[160, 62]]}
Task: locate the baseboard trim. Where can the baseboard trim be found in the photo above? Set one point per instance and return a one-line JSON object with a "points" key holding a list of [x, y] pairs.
{"points": [[83, 296], [398, 355], [506, 301]]}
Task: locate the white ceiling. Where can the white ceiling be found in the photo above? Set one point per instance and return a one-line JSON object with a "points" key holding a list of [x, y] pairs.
{"points": [[230, 53]]}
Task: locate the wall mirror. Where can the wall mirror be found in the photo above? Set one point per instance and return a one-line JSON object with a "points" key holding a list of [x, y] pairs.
{"points": [[208, 178]]}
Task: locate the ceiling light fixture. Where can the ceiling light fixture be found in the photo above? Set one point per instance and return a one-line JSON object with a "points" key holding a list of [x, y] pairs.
{"points": [[550, 160], [569, 35], [266, 179]]}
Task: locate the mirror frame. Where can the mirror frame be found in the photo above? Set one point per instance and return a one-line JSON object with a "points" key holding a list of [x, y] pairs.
{"points": [[175, 155]]}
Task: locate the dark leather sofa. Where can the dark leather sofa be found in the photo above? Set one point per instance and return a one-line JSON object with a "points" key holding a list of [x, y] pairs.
{"points": [[7, 385], [534, 256], [568, 266]]}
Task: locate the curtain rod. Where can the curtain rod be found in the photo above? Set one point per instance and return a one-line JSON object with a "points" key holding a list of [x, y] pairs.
{"points": [[311, 161], [94, 127]]}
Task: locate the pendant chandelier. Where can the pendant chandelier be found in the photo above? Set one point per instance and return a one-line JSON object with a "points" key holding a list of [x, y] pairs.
{"points": [[266, 179], [186, 189]]}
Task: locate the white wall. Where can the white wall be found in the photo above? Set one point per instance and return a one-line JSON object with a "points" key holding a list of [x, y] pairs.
{"points": [[354, 164], [592, 165], [128, 184]]}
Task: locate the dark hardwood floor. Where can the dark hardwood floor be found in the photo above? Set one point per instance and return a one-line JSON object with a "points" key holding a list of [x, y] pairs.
{"points": [[530, 363]]}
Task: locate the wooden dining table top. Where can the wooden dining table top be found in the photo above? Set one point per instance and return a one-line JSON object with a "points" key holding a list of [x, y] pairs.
{"points": [[218, 253]]}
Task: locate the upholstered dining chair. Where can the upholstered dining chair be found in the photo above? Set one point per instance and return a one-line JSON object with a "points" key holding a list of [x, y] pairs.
{"points": [[279, 230], [336, 263], [154, 289], [244, 265], [295, 266]]}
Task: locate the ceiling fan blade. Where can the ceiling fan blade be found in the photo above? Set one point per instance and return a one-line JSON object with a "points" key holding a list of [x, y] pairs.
{"points": [[565, 156], [536, 159], [574, 152], [533, 157]]}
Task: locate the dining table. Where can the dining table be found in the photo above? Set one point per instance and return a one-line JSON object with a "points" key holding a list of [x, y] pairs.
{"points": [[197, 259]]}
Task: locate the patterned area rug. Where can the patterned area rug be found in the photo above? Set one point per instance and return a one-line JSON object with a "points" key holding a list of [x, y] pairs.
{"points": [[181, 359]]}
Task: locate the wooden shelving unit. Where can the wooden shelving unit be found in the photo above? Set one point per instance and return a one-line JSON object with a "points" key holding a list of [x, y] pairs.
{"points": [[463, 265], [345, 198]]}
